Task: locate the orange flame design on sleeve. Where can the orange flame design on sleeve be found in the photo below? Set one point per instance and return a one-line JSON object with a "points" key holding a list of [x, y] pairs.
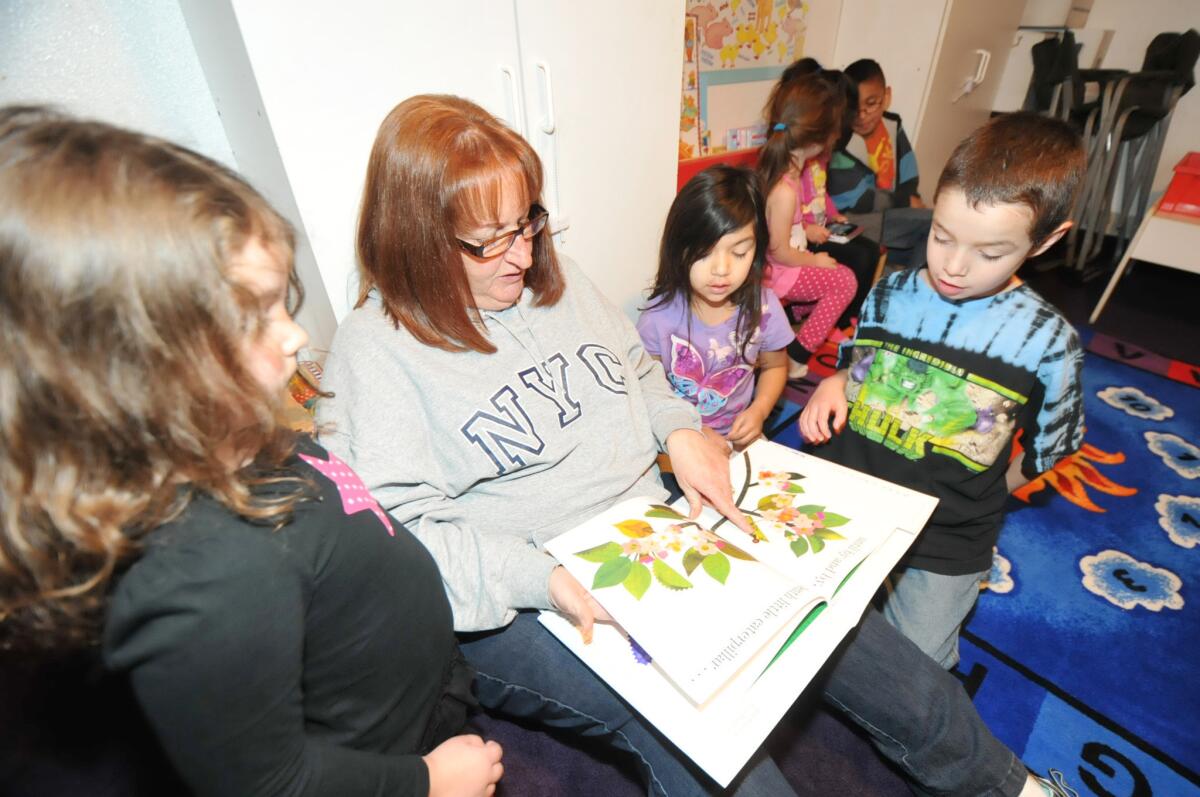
{"points": [[1073, 475]]}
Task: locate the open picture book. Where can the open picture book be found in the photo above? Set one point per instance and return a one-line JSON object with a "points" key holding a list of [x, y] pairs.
{"points": [[721, 630]]}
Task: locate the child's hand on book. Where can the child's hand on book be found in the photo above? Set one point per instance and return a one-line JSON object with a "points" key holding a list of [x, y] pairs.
{"points": [[816, 234], [703, 475], [747, 427], [828, 399], [571, 600]]}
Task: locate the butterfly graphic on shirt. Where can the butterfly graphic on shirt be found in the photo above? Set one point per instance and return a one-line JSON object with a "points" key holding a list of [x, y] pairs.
{"points": [[692, 380]]}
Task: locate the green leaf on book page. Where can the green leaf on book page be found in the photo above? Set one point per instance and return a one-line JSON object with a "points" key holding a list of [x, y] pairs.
{"points": [[663, 511], [817, 543], [692, 560], [826, 534], [729, 549], [831, 520], [809, 509], [669, 577], [799, 547], [634, 528], [792, 475], [612, 572], [638, 580], [717, 566], [794, 488], [601, 553]]}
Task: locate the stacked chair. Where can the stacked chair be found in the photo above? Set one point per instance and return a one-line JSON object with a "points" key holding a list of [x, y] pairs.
{"points": [[1058, 88], [1124, 131]]}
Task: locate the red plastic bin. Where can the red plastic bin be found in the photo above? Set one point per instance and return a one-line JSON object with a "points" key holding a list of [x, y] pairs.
{"points": [[1183, 194]]}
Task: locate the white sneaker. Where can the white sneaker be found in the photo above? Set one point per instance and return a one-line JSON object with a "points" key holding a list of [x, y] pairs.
{"points": [[796, 370], [1055, 785]]}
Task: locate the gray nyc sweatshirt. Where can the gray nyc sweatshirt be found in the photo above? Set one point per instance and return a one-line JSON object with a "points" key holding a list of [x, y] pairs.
{"points": [[485, 457]]}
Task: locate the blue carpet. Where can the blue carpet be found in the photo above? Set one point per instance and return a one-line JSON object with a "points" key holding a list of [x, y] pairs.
{"points": [[1080, 655], [1083, 652]]}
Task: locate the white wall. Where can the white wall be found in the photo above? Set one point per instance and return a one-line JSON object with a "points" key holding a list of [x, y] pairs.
{"points": [[132, 63], [128, 62], [1046, 13]]}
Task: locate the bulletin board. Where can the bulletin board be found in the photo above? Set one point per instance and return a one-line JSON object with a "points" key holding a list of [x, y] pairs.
{"points": [[741, 46]]}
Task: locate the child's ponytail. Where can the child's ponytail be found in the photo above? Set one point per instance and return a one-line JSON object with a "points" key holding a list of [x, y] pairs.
{"points": [[801, 111]]}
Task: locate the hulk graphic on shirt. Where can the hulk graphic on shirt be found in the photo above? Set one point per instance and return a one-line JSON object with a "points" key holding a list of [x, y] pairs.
{"points": [[898, 382]]}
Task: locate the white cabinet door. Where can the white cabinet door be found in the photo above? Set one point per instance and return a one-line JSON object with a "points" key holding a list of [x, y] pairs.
{"points": [[969, 26], [329, 72], [611, 74], [902, 37]]}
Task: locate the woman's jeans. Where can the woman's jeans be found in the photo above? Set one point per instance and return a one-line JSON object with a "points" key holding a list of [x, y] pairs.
{"points": [[917, 714]]}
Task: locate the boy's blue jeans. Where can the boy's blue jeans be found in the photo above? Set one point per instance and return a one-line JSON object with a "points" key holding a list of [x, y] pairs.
{"points": [[918, 715], [930, 608]]}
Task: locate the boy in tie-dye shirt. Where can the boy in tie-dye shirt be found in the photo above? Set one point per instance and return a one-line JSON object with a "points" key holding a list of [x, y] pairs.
{"points": [[952, 360]]}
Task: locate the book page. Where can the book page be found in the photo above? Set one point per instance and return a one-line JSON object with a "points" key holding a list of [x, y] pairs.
{"points": [[721, 735], [701, 606], [814, 520]]}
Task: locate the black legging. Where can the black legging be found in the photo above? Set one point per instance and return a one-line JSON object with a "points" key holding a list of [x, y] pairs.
{"points": [[860, 255]]}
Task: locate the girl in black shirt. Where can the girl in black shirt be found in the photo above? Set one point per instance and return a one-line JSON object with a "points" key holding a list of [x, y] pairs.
{"points": [[281, 633]]}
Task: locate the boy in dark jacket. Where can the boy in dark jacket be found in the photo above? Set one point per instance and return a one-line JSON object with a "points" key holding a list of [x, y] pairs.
{"points": [[875, 172]]}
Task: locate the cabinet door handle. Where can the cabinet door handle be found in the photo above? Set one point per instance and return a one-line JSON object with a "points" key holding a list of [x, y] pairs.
{"points": [[981, 68], [548, 123], [516, 104], [975, 80]]}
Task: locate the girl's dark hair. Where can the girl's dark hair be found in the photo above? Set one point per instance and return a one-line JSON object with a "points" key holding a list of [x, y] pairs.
{"points": [[800, 68], [122, 373], [802, 111], [714, 203], [843, 82]]}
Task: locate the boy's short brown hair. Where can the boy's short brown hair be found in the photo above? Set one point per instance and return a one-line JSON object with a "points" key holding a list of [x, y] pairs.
{"points": [[1020, 159]]}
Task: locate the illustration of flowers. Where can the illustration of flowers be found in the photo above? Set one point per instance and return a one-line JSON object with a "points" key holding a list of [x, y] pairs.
{"points": [[642, 559], [807, 527]]}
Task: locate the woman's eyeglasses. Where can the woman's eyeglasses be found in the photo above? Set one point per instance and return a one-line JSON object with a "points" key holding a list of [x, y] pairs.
{"points": [[502, 243]]}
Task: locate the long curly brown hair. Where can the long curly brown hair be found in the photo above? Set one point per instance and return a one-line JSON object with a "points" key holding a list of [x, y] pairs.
{"points": [[122, 390]]}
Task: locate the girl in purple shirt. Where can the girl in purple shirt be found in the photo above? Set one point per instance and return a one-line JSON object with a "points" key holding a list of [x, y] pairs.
{"points": [[709, 319]]}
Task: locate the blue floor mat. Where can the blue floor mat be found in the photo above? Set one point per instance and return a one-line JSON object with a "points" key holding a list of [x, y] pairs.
{"points": [[1099, 609], [1081, 653]]}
